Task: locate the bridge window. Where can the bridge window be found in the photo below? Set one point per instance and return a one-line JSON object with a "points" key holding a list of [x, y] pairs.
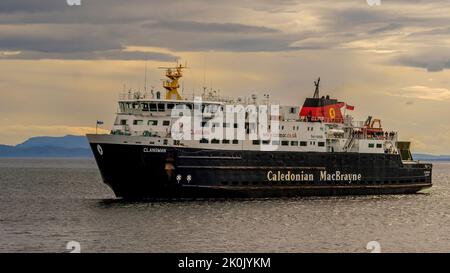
{"points": [[266, 142], [122, 107], [284, 143], [276, 142], [235, 141], [153, 122], [204, 140], [138, 122], [294, 143], [123, 122], [225, 141], [144, 107], [303, 143], [170, 106], [166, 122], [321, 144], [371, 145], [256, 142], [379, 145], [215, 141], [153, 107], [161, 107]]}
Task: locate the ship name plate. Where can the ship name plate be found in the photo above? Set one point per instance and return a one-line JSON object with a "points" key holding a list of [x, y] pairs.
{"points": [[154, 150], [304, 176]]}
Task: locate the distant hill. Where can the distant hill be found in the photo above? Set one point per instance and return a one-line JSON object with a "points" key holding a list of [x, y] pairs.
{"points": [[66, 146], [69, 141], [431, 157]]}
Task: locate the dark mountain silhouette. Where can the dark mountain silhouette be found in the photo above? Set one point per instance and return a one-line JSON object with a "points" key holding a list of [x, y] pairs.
{"points": [[44, 146], [427, 157]]}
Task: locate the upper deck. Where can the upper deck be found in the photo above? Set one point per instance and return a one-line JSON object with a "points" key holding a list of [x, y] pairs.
{"points": [[319, 125]]}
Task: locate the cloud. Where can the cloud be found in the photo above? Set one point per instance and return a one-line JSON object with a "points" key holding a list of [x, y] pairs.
{"points": [[63, 32], [435, 144], [50, 28], [433, 60], [26, 6], [93, 55], [192, 26], [6, 54], [385, 28], [424, 92]]}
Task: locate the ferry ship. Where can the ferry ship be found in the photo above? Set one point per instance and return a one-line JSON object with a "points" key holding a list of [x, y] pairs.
{"points": [[312, 150]]}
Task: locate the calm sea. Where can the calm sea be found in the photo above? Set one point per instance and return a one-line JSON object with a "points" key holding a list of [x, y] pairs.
{"points": [[45, 203]]}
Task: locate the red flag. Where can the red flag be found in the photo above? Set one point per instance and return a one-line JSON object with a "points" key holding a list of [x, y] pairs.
{"points": [[349, 107]]}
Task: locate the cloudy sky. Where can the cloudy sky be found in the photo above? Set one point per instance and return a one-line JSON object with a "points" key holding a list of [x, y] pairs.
{"points": [[62, 67]]}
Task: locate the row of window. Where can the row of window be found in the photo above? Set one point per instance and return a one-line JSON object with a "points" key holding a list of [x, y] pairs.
{"points": [[150, 122], [372, 145], [161, 107], [216, 124], [301, 143], [152, 107], [267, 142], [216, 141]]}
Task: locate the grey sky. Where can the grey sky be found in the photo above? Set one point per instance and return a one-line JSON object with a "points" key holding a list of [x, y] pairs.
{"points": [[392, 60]]}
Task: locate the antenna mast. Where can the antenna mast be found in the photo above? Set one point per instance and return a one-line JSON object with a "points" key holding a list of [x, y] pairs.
{"points": [[145, 78], [172, 84], [316, 92]]}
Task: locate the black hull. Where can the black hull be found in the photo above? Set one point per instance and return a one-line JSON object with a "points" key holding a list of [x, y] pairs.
{"points": [[140, 172]]}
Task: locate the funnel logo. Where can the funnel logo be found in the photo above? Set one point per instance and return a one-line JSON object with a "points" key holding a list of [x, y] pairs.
{"points": [[374, 2], [332, 113], [73, 2]]}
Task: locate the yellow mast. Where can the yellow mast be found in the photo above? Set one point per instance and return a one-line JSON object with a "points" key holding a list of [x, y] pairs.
{"points": [[172, 85]]}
